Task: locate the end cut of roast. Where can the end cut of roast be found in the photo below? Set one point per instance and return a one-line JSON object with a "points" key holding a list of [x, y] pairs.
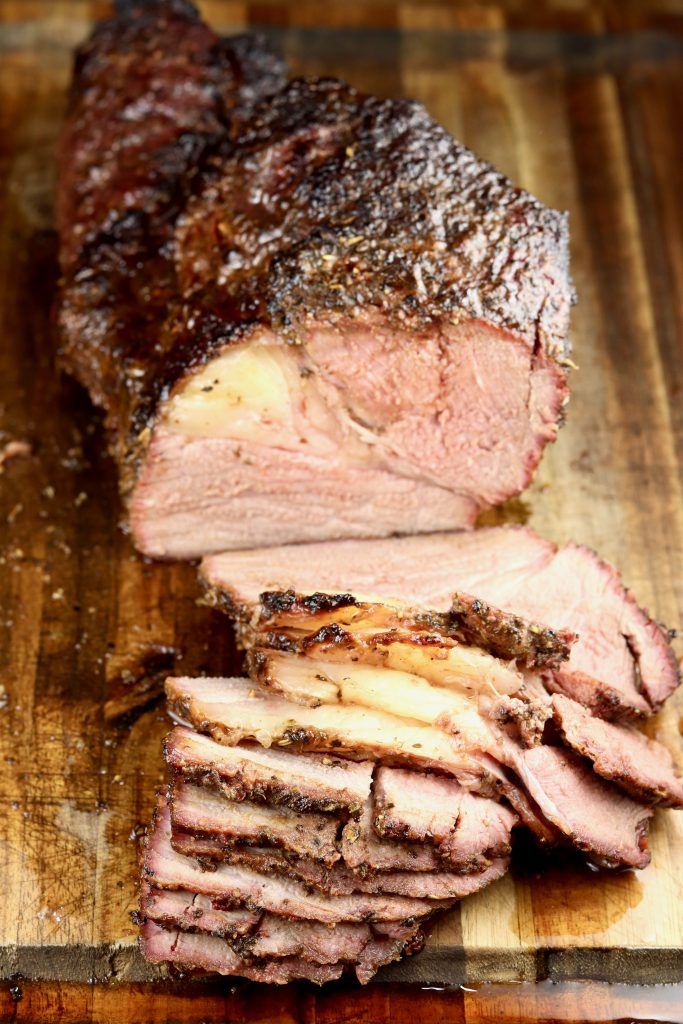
{"points": [[311, 317]]}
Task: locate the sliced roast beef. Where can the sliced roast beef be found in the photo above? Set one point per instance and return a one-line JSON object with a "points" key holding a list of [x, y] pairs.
{"points": [[199, 809], [526, 809], [401, 694], [414, 805], [444, 882], [469, 831], [482, 836], [212, 953], [192, 912], [230, 885], [433, 655], [233, 710], [257, 936], [311, 783], [364, 851], [315, 317], [384, 950], [468, 619], [593, 814], [621, 664], [641, 766], [317, 943]]}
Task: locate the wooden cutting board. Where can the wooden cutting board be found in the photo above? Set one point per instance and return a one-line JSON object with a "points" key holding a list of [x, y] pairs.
{"points": [[588, 121]]}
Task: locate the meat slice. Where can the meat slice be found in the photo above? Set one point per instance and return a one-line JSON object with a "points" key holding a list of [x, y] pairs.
{"points": [[414, 805], [621, 664], [432, 655], [317, 943], [468, 619], [230, 885], [528, 812], [482, 835], [232, 710], [191, 912], [199, 809], [444, 882], [257, 936], [401, 694], [637, 764], [469, 831], [310, 783], [384, 950], [212, 953], [594, 815], [364, 851], [315, 318]]}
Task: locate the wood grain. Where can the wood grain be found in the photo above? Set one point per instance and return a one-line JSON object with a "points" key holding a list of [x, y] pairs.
{"points": [[582, 104], [545, 1003]]}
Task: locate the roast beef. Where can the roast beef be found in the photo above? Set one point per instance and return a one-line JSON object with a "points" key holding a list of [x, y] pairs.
{"points": [[592, 814], [309, 783], [437, 881], [621, 664], [469, 831], [193, 951], [200, 809], [640, 765], [468, 620], [312, 317], [364, 851], [317, 943], [234, 710], [193, 912], [230, 885]]}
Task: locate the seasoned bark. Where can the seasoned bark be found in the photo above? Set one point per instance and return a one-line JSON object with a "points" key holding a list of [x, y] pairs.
{"points": [[196, 808], [356, 220], [154, 95], [531, 644], [311, 783], [196, 215]]}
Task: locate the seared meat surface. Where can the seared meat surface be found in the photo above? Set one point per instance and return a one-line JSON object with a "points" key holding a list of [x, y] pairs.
{"points": [[308, 313]]}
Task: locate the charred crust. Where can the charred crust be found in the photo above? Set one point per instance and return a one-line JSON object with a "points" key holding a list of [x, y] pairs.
{"points": [[126, 330], [277, 641], [367, 205], [277, 602], [332, 635], [509, 636]]}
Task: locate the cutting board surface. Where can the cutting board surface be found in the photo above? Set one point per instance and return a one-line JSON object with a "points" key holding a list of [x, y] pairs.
{"points": [[589, 122]]}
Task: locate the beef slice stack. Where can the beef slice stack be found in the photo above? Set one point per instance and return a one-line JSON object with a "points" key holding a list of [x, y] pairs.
{"points": [[371, 770]]}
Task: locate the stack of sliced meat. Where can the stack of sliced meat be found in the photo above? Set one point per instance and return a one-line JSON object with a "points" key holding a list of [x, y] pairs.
{"points": [[369, 772], [273, 865]]}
